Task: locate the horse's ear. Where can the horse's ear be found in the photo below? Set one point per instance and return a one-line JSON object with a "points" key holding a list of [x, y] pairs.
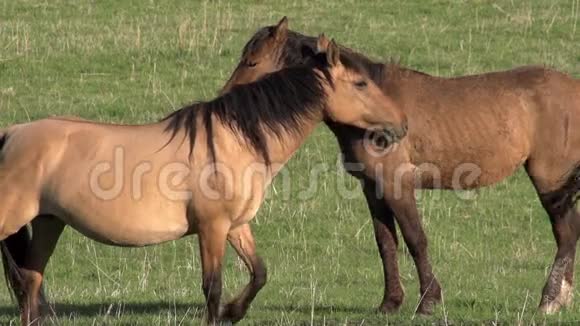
{"points": [[280, 31], [333, 54], [322, 43], [328, 47]]}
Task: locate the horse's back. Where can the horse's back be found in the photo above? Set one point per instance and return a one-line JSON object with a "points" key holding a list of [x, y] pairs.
{"points": [[32, 144], [490, 122]]}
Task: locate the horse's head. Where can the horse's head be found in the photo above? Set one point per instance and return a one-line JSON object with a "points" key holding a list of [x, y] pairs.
{"points": [[276, 47], [261, 55], [353, 98]]}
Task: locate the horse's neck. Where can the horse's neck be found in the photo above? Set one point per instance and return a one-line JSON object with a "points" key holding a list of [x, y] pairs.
{"points": [[231, 150], [283, 148], [393, 73], [395, 81]]}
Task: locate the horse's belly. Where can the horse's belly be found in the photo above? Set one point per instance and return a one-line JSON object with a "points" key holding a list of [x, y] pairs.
{"points": [[130, 236], [462, 173], [125, 227], [463, 176]]}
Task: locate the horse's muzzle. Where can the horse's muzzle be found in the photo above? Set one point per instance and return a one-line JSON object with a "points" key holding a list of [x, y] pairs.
{"points": [[390, 134]]}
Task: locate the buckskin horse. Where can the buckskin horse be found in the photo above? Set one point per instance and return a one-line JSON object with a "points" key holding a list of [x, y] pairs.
{"points": [[483, 126], [201, 170]]}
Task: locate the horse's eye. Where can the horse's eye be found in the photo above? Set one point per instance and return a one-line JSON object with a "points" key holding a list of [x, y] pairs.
{"points": [[251, 64], [360, 84]]}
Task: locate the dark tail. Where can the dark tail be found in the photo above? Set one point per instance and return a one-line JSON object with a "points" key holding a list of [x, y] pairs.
{"points": [[14, 250], [3, 138]]}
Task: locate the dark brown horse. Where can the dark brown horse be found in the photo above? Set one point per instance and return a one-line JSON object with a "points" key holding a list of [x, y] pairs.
{"points": [[464, 133]]}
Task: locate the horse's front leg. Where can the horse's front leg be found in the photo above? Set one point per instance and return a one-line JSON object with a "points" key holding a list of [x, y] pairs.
{"points": [[558, 291], [399, 191], [212, 245], [387, 243], [242, 240]]}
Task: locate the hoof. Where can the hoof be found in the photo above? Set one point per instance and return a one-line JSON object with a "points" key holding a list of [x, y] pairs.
{"points": [[550, 308], [427, 305], [563, 299], [426, 308], [390, 306], [220, 323], [232, 313]]}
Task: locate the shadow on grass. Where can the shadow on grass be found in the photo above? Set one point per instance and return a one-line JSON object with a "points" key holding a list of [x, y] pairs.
{"points": [[99, 309], [143, 308], [318, 309], [196, 310]]}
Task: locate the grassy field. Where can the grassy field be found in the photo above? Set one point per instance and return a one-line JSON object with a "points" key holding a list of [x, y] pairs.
{"points": [[136, 61]]}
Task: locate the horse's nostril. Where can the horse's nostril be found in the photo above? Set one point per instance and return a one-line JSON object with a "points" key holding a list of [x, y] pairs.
{"points": [[381, 138], [388, 134], [387, 137]]}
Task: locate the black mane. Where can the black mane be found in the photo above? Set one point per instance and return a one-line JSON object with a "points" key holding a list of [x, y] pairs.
{"points": [[276, 104], [293, 53]]}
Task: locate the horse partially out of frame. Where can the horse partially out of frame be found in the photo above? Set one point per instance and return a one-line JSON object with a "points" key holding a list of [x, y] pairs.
{"points": [[490, 124]]}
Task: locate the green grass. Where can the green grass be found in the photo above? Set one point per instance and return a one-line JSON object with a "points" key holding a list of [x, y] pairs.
{"points": [[135, 61]]}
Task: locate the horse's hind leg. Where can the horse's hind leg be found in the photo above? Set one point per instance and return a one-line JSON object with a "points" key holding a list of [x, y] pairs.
{"points": [[25, 262], [14, 249], [556, 189], [242, 240]]}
